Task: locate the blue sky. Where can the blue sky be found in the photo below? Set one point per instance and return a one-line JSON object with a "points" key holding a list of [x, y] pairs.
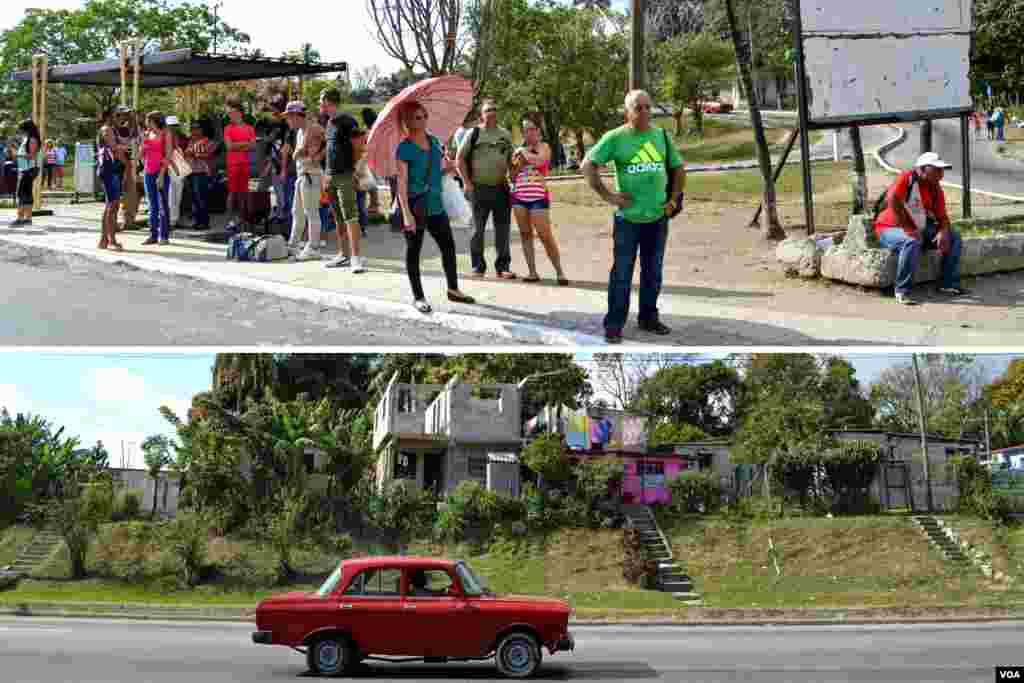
{"points": [[115, 397]]}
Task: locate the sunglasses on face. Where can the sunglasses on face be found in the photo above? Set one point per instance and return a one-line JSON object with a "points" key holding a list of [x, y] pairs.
{"points": [[419, 117]]}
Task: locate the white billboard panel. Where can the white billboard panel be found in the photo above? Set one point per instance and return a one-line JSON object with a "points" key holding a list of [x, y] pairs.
{"points": [[859, 78], [885, 16]]}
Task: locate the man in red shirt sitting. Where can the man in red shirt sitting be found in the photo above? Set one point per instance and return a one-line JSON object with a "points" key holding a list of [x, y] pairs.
{"points": [[915, 218]]}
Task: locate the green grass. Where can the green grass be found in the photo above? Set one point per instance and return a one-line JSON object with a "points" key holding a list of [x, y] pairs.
{"points": [[12, 539], [992, 227]]}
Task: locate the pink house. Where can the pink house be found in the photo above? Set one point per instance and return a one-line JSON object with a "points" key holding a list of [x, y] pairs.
{"points": [[647, 476]]}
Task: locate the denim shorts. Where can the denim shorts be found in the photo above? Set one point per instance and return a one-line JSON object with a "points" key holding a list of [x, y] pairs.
{"points": [[535, 205], [112, 187]]}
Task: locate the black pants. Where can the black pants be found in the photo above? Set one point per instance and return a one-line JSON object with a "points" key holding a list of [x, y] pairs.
{"points": [[488, 200], [440, 229], [25, 180]]}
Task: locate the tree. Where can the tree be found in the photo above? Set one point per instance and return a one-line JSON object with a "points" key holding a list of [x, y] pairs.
{"points": [[770, 226], [705, 395], [92, 33], [156, 451], [246, 374], [365, 78], [674, 432], [997, 24], [546, 456], [1006, 397], [693, 68], [423, 35], [619, 375]]}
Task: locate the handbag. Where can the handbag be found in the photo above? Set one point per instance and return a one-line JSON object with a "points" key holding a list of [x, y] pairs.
{"points": [[418, 202], [671, 181]]}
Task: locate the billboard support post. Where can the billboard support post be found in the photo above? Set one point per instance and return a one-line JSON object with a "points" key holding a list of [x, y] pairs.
{"points": [[801, 93], [926, 137], [965, 161]]}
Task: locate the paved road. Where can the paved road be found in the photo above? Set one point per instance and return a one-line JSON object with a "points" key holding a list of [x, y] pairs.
{"points": [[84, 651], [989, 171], [53, 299]]}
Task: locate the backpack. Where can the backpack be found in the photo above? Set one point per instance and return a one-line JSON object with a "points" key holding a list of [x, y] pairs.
{"points": [[246, 247], [882, 201]]}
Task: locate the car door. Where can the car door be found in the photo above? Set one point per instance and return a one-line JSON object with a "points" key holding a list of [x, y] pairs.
{"points": [[371, 608], [438, 618]]}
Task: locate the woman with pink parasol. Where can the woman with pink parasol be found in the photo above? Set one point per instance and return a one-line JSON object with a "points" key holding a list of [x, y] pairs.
{"points": [[400, 146]]}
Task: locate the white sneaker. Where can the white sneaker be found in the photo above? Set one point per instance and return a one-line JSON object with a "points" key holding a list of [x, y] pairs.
{"points": [[357, 265], [905, 299], [308, 254], [339, 261]]}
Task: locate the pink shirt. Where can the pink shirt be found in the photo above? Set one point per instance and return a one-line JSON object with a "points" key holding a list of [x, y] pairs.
{"points": [[153, 153], [242, 132], [530, 183]]}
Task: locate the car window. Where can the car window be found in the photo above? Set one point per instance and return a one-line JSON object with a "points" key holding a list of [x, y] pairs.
{"points": [[377, 581], [428, 583]]}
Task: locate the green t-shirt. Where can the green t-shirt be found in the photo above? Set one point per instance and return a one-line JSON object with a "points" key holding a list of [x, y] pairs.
{"points": [[639, 161], [491, 157]]}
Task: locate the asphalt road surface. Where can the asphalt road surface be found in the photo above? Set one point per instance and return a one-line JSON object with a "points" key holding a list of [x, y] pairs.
{"points": [[989, 171], [86, 651], [53, 299]]}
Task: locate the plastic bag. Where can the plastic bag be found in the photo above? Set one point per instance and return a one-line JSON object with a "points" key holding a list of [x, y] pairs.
{"points": [[455, 204]]}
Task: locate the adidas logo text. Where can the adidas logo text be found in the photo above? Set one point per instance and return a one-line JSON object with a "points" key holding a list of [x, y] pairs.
{"points": [[643, 168]]}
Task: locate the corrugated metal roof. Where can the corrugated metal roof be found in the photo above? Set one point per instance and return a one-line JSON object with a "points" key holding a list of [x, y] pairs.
{"points": [[509, 458]]}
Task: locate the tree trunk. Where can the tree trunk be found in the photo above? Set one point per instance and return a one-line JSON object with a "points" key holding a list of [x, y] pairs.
{"points": [[581, 149], [678, 117], [156, 489], [770, 227], [860, 179]]}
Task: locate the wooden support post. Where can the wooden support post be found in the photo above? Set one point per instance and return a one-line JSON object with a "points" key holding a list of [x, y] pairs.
{"points": [[124, 72], [40, 79]]}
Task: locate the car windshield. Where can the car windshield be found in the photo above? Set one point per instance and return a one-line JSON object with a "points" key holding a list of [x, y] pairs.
{"points": [[471, 583], [330, 584]]}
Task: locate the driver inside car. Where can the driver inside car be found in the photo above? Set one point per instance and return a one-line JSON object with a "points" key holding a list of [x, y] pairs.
{"points": [[418, 582]]}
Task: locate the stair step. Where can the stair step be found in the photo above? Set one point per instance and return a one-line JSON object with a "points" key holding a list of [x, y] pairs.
{"points": [[686, 596], [674, 577], [677, 587]]}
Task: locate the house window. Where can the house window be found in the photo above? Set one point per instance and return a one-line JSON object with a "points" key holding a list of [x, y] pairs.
{"points": [[405, 401], [478, 467], [309, 457], [405, 466]]}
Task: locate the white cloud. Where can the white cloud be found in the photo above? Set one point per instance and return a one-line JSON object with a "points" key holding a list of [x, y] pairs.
{"points": [[13, 400], [114, 385]]}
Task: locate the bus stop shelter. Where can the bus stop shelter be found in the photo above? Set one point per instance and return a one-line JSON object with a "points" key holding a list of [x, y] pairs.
{"points": [[133, 69]]}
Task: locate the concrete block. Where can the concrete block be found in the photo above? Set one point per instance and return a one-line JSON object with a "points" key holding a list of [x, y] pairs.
{"points": [[800, 256], [867, 267]]}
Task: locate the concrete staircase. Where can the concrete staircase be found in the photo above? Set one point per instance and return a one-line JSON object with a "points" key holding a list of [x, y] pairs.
{"points": [[671, 576], [36, 552], [939, 537]]}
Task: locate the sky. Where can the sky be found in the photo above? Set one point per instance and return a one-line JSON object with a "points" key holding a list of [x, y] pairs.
{"points": [[341, 33], [115, 397]]}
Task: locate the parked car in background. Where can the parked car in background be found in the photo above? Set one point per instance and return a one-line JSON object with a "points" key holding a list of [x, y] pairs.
{"points": [[427, 609], [717, 107]]}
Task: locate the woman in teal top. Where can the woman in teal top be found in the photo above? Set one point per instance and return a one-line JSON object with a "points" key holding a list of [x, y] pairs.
{"points": [[29, 159], [421, 164]]}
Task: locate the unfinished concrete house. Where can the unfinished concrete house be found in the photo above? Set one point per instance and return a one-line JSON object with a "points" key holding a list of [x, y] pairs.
{"points": [[439, 436]]}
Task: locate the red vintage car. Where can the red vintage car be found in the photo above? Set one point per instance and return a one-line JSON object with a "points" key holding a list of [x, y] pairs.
{"points": [[717, 107], [417, 608]]}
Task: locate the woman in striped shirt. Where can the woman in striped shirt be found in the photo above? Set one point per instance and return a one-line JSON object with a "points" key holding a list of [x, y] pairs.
{"points": [[531, 201]]}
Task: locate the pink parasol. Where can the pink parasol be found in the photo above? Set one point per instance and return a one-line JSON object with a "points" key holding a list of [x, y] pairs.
{"points": [[447, 100]]}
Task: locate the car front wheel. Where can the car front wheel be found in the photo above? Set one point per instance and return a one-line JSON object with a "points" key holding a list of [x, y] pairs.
{"points": [[518, 655], [330, 656]]}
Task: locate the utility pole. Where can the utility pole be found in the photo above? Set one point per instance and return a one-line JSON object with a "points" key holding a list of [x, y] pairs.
{"points": [[636, 51], [924, 435], [988, 439]]}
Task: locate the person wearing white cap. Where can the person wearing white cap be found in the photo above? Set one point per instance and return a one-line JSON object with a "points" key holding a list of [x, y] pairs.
{"points": [[310, 148], [915, 218]]}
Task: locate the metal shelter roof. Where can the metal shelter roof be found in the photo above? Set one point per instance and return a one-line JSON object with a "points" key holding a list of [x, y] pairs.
{"points": [[175, 68]]}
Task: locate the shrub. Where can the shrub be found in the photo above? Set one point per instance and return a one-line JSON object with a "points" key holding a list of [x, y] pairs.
{"points": [[849, 470], [974, 481], [283, 532], [546, 456], [472, 505], [98, 502], [127, 505], [696, 492], [186, 538], [402, 511], [127, 551], [637, 567]]}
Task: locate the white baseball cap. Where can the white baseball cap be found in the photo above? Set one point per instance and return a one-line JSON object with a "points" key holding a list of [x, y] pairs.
{"points": [[931, 159], [171, 120]]}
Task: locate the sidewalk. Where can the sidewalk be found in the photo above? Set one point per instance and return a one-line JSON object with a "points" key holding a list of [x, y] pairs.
{"points": [[684, 616], [722, 286]]}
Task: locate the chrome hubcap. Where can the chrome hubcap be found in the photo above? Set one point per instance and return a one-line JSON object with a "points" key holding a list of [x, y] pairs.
{"points": [[517, 656], [328, 655]]}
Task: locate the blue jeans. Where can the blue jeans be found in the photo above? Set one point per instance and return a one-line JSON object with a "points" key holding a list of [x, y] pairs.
{"points": [[910, 248], [159, 206], [285, 193], [649, 239], [364, 217], [200, 198]]}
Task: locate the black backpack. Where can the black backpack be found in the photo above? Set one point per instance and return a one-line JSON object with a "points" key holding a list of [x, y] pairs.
{"points": [[882, 201]]}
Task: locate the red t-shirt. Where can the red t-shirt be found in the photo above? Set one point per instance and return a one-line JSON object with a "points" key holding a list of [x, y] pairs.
{"points": [[924, 202], [241, 132]]}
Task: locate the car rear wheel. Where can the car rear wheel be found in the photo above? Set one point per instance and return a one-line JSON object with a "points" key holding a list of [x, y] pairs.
{"points": [[330, 656], [518, 655]]}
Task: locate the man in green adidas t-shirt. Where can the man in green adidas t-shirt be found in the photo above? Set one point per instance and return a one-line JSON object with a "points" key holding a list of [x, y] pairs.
{"points": [[641, 155]]}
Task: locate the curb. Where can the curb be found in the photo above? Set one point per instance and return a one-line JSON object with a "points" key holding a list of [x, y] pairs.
{"points": [[525, 332], [701, 616], [898, 140]]}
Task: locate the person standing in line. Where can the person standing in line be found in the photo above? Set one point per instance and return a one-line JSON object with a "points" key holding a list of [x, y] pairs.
{"points": [[29, 160], [642, 155], [345, 145], [62, 158], [157, 146], [128, 136], [177, 191], [531, 201], [239, 139], [309, 155], [483, 161], [199, 154], [111, 159], [990, 123], [421, 163], [50, 163], [369, 118]]}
